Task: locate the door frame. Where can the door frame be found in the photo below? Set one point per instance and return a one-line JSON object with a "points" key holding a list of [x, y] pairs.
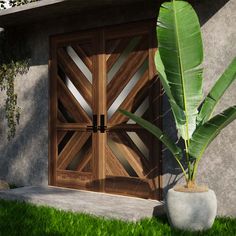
{"points": [[110, 32]]}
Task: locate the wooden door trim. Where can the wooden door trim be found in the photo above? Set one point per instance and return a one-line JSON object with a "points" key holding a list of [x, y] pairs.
{"points": [[52, 114], [99, 108], [155, 143]]}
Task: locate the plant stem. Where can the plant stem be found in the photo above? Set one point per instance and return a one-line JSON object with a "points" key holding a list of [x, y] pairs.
{"points": [[182, 168], [195, 168], [187, 159]]}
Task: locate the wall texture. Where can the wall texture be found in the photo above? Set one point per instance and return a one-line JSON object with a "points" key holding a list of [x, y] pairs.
{"points": [[218, 166], [24, 160]]}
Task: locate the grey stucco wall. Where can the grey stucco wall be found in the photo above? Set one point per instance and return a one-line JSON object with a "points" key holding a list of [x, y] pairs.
{"points": [[24, 160], [217, 168]]}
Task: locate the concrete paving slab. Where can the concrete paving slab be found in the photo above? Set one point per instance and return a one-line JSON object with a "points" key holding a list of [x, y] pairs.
{"points": [[98, 204]]}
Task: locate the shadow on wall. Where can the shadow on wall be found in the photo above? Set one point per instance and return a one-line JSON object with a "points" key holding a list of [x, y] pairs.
{"points": [[22, 160], [207, 8]]}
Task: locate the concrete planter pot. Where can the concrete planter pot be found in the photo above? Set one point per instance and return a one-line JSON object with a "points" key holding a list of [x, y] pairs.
{"points": [[191, 210]]}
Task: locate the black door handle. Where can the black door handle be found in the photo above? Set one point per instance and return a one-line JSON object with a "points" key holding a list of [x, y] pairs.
{"points": [[102, 126], [94, 127]]}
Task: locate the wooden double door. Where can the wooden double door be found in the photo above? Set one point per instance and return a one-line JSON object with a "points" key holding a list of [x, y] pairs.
{"points": [[92, 145]]}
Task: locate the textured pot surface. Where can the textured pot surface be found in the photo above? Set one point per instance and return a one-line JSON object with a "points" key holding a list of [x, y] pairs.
{"points": [[191, 211]]}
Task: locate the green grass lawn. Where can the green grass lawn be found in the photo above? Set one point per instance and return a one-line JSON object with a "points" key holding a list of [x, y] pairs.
{"points": [[26, 219]]}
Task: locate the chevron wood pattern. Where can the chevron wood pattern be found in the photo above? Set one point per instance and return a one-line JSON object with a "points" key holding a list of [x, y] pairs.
{"points": [[99, 73]]}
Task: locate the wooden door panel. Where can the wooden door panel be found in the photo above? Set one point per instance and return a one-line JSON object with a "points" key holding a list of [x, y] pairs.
{"points": [[129, 186], [125, 73], [133, 100], [113, 164], [114, 50], [93, 76], [75, 75], [72, 75], [130, 145], [71, 104], [86, 57], [72, 148]]}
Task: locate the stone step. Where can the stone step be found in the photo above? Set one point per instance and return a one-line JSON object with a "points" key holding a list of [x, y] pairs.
{"points": [[98, 204]]}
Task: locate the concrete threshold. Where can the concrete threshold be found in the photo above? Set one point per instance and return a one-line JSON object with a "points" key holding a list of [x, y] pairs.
{"points": [[98, 204]]}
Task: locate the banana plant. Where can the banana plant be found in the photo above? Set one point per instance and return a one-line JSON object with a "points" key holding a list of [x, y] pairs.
{"points": [[178, 62]]}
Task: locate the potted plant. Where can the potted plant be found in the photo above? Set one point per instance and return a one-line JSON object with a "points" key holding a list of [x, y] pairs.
{"points": [[178, 62]]}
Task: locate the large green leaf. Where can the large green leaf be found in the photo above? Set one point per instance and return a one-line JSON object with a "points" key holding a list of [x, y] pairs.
{"points": [[205, 133], [181, 51], [177, 111], [174, 149], [217, 92]]}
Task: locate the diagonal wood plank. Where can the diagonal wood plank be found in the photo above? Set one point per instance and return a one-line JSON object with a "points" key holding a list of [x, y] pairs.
{"points": [[110, 47], [88, 167], [87, 157], [71, 104], [88, 48], [75, 75], [130, 152], [114, 167], [140, 157], [126, 72], [132, 101], [117, 51], [60, 116], [60, 135], [145, 137], [82, 55], [71, 149]]}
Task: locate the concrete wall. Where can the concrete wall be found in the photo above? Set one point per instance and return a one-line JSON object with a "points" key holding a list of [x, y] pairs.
{"points": [[218, 166], [24, 160]]}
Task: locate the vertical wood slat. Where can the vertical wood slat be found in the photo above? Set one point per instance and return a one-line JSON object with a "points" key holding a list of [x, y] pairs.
{"points": [[99, 108], [53, 114]]}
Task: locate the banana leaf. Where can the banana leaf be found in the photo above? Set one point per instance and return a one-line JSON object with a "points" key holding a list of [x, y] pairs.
{"points": [[181, 51], [205, 133], [173, 148], [178, 113], [217, 92]]}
